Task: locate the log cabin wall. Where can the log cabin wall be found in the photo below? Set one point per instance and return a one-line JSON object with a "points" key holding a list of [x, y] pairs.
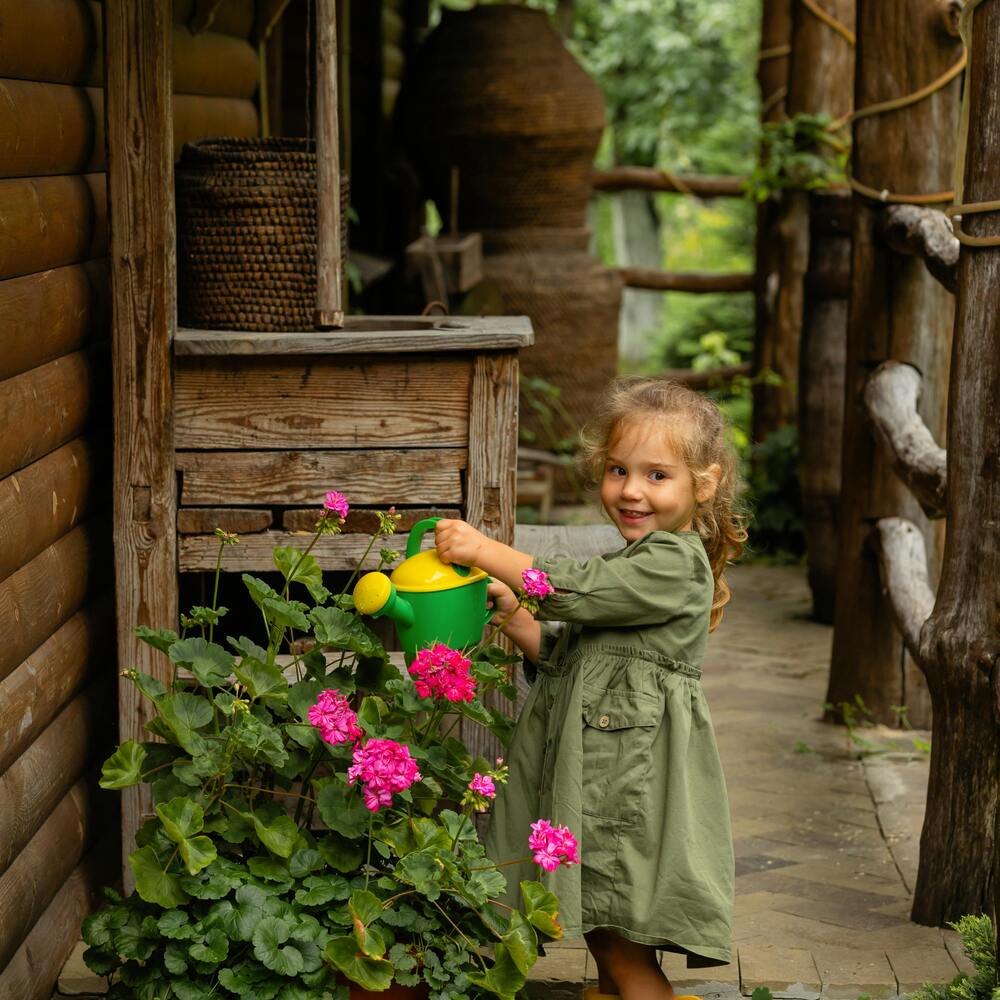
{"points": [[58, 835]]}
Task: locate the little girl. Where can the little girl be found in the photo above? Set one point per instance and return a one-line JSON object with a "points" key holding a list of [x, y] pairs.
{"points": [[615, 739]]}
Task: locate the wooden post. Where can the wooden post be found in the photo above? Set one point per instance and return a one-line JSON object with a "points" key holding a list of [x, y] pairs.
{"points": [[897, 311], [329, 265], [137, 66], [960, 643]]}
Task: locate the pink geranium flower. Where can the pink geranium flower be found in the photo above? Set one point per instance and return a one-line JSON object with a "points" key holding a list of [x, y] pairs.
{"points": [[384, 767], [333, 717], [536, 583], [552, 845], [443, 673], [336, 503], [483, 784]]}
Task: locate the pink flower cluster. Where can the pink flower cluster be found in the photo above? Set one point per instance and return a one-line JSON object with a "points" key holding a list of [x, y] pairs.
{"points": [[333, 717], [552, 845], [383, 767], [536, 583], [336, 503], [483, 784], [442, 672]]}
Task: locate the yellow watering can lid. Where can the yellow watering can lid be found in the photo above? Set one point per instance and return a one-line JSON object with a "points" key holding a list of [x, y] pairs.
{"points": [[424, 573]]}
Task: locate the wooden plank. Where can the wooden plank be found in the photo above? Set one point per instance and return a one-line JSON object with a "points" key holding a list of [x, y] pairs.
{"points": [[491, 483], [140, 168], [51, 221], [204, 520], [44, 316], [43, 501], [254, 553], [415, 476], [49, 128], [41, 596], [32, 972], [700, 282], [369, 335], [329, 265], [31, 882], [26, 402], [53, 674], [33, 785], [654, 179], [322, 403], [361, 521], [198, 117]]}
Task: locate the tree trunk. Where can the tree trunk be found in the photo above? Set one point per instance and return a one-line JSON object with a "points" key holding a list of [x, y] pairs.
{"points": [[821, 391], [960, 644], [897, 311]]}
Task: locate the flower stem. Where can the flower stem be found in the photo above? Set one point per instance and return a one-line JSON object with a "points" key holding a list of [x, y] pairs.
{"points": [[298, 563], [215, 589], [357, 569], [368, 863]]}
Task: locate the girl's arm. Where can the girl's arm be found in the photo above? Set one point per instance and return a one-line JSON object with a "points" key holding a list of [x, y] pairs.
{"points": [[458, 542], [521, 627]]}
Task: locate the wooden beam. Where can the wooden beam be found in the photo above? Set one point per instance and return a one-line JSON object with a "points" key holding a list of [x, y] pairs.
{"points": [[261, 478], [329, 265], [139, 128], [37, 689], [204, 520], [362, 521], [892, 394], [700, 282], [53, 313], [713, 378], [926, 233], [654, 179], [903, 561], [255, 552]]}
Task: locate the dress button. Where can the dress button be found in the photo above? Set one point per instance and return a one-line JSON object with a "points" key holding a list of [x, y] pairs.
{"points": [[604, 722]]}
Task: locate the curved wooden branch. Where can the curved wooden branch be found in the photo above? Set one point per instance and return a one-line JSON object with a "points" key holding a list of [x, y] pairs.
{"points": [[891, 396], [924, 232], [903, 564], [653, 179]]}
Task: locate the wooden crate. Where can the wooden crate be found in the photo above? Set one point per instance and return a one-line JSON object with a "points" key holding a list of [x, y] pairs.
{"points": [[418, 412]]}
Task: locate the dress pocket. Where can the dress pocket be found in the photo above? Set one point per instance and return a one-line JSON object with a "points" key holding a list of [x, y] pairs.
{"points": [[619, 729]]}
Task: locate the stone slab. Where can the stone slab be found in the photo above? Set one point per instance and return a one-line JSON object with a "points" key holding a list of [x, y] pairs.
{"points": [[848, 972], [779, 968], [915, 966], [76, 980]]}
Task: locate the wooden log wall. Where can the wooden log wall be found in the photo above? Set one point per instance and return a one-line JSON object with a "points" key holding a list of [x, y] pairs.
{"points": [[57, 833]]}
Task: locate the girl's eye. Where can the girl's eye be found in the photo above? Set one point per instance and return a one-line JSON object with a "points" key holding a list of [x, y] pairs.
{"points": [[658, 476], [616, 470]]}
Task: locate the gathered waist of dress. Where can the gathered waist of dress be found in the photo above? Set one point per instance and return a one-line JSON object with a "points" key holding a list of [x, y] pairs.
{"points": [[565, 663]]}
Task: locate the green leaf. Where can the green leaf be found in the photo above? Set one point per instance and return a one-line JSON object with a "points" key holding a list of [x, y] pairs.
{"points": [[174, 924], [421, 870], [541, 908], [521, 942], [289, 614], [504, 978], [210, 663], [270, 869], [154, 884], [279, 836], [181, 817], [198, 853], [124, 767], [241, 920], [341, 811], [247, 647], [298, 568], [340, 630], [250, 982], [259, 591], [151, 687], [340, 854], [214, 948], [261, 679], [369, 973], [159, 638], [318, 890], [175, 958], [366, 908], [304, 862], [256, 741], [184, 714], [269, 946]]}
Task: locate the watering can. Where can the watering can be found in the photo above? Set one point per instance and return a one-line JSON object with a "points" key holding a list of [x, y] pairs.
{"points": [[428, 600]]}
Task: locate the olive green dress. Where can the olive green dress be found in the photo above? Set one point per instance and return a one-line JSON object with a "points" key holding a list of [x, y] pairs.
{"points": [[615, 741]]}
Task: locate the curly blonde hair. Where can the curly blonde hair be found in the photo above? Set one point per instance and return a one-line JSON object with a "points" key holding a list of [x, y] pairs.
{"points": [[700, 432]]}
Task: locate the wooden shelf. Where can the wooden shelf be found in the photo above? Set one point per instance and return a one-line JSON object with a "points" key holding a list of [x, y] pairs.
{"points": [[367, 335]]}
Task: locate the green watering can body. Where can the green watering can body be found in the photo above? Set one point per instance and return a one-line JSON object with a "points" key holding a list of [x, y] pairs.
{"points": [[428, 601]]}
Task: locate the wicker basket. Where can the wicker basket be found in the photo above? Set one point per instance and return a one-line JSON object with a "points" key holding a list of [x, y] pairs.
{"points": [[246, 234]]}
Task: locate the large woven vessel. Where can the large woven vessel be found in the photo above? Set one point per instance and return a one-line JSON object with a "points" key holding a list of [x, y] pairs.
{"points": [[496, 93], [246, 234]]}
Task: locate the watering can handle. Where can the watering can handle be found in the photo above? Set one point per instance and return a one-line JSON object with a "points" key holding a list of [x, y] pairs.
{"points": [[417, 533]]}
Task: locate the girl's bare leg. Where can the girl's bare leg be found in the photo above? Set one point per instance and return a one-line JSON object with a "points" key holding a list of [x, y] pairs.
{"points": [[628, 969]]}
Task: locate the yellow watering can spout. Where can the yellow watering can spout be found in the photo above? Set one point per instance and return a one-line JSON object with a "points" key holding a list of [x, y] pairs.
{"points": [[376, 596]]}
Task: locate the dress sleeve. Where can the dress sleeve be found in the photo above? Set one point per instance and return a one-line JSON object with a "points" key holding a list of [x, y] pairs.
{"points": [[661, 577], [549, 637]]}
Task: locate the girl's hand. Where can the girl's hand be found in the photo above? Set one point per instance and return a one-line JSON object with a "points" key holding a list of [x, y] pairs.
{"points": [[458, 542], [501, 597]]}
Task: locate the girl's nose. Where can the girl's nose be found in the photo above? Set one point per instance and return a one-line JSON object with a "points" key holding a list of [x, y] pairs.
{"points": [[631, 488]]}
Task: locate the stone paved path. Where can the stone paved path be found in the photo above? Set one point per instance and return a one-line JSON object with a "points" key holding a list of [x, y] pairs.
{"points": [[826, 843]]}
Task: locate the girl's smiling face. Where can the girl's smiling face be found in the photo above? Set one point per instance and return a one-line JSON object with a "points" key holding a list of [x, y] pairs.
{"points": [[646, 485]]}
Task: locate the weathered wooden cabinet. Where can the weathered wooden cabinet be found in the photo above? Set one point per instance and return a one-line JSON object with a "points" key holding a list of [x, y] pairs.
{"points": [[412, 412]]}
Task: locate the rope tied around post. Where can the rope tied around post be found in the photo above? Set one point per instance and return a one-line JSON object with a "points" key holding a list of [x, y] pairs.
{"points": [[828, 19], [959, 209]]}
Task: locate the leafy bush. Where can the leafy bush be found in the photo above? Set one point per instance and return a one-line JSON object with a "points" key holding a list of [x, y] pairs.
{"points": [[979, 944]]}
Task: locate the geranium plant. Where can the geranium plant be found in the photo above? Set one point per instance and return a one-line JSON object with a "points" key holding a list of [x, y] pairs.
{"points": [[314, 811]]}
